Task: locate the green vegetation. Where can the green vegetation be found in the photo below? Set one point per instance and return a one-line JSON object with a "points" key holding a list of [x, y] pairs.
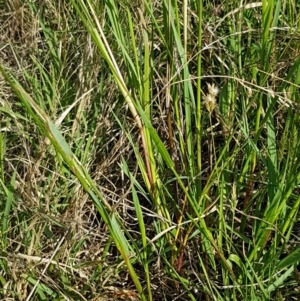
{"points": [[149, 150]]}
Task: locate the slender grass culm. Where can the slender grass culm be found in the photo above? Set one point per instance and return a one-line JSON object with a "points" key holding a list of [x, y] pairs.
{"points": [[149, 150]]}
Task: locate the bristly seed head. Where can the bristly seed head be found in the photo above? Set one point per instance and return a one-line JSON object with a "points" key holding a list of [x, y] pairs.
{"points": [[213, 90], [210, 99], [210, 102]]}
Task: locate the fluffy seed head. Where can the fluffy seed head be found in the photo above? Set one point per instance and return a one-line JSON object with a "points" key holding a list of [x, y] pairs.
{"points": [[213, 90], [210, 102]]}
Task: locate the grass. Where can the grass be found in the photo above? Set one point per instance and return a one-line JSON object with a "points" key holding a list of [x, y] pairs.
{"points": [[149, 150]]}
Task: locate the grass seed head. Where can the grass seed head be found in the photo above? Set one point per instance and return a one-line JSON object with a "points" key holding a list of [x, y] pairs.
{"points": [[210, 102], [213, 90], [210, 99]]}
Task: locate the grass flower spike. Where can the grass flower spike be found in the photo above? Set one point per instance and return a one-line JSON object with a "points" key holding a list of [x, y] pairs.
{"points": [[213, 90], [210, 99]]}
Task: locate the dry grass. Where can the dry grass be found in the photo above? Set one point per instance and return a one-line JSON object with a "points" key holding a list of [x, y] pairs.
{"points": [[56, 245]]}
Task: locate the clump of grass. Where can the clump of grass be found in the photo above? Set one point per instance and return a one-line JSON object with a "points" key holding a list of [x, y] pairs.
{"points": [[149, 150]]}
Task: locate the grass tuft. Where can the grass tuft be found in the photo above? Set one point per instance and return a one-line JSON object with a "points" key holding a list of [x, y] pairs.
{"points": [[149, 150]]}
